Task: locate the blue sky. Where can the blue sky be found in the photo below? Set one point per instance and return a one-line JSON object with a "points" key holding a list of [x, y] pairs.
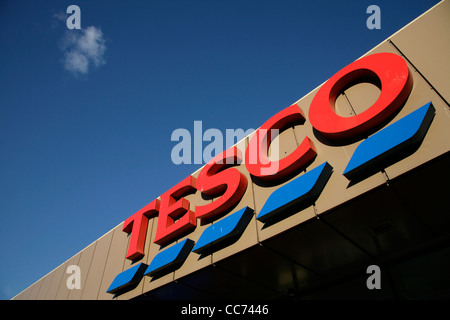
{"points": [[86, 116]]}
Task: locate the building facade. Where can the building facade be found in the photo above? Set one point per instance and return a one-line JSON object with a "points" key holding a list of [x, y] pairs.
{"points": [[361, 181]]}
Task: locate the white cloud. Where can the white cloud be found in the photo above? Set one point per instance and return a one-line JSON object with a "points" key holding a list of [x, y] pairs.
{"points": [[76, 62], [83, 48], [58, 17]]}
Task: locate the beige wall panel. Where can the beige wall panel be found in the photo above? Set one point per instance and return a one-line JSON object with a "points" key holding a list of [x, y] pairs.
{"points": [[342, 107], [22, 295], [47, 280], [58, 274], [63, 291], [114, 262], [95, 274], [27, 294], [34, 290], [362, 96], [426, 43], [84, 263], [152, 224], [286, 144]]}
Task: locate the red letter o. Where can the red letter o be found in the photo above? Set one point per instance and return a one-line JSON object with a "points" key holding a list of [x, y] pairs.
{"points": [[396, 84]]}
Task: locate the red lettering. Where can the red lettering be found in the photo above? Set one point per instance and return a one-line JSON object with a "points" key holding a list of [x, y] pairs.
{"points": [[175, 218], [137, 225], [217, 177], [396, 83], [256, 156]]}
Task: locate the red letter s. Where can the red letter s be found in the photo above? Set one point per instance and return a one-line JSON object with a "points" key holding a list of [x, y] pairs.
{"points": [[217, 177]]}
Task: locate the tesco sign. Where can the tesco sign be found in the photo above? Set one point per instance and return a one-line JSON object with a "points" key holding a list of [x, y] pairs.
{"points": [[220, 178]]}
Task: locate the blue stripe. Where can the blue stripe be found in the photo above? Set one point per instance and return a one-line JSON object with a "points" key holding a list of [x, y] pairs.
{"points": [[301, 191], [391, 144], [224, 231], [170, 259], [128, 279]]}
